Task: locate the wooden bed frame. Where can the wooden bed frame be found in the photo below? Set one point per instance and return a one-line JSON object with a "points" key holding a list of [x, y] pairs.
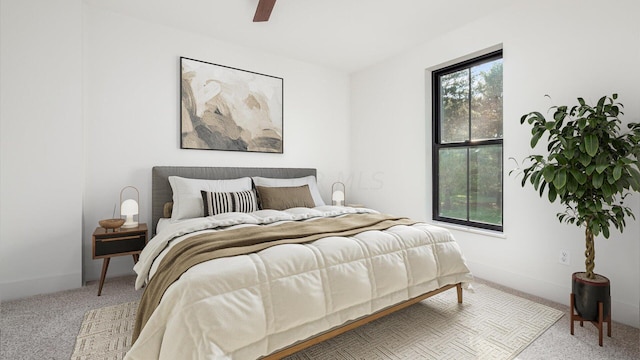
{"points": [[359, 322], [161, 194]]}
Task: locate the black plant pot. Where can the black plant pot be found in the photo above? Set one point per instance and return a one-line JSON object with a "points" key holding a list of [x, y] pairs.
{"points": [[588, 292]]}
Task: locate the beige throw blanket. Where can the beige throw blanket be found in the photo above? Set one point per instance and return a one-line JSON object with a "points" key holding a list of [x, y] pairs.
{"points": [[204, 247]]}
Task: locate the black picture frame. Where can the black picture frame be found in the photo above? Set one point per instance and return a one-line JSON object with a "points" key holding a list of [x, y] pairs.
{"points": [[230, 109]]}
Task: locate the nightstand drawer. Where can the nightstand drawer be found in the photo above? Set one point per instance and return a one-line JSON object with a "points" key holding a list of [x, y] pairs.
{"points": [[119, 244], [125, 241]]}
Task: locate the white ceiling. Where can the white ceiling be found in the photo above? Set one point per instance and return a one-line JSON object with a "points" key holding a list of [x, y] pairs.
{"points": [[343, 34]]}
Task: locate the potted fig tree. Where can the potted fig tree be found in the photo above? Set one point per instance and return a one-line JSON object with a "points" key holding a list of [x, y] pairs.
{"points": [[591, 166]]}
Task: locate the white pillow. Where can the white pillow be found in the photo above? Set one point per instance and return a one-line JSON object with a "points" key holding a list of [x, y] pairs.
{"points": [[307, 180], [187, 199]]}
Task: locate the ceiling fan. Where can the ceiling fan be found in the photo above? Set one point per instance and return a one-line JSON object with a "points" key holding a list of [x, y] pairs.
{"points": [[263, 11]]}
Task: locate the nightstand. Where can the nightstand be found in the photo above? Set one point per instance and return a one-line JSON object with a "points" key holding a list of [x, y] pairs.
{"points": [[124, 241]]}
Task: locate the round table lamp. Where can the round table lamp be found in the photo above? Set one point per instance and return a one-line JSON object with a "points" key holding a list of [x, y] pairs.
{"points": [[337, 196], [129, 208]]}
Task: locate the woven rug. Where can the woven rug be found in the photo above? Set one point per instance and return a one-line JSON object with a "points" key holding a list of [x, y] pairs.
{"points": [[490, 324]]}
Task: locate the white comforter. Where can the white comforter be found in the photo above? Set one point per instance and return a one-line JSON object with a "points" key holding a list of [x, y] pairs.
{"points": [[247, 306]]}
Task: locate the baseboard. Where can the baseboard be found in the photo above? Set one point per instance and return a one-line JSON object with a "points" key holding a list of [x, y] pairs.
{"points": [[44, 285], [621, 312]]}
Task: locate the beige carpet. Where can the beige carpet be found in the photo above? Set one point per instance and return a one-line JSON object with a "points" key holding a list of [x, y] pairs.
{"points": [[490, 324]]}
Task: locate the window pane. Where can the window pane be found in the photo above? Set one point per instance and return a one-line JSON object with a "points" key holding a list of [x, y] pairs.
{"points": [[486, 101], [453, 183], [467, 124], [454, 107], [485, 184]]}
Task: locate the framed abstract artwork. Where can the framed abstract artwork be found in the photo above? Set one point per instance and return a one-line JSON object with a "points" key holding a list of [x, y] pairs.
{"points": [[224, 108]]}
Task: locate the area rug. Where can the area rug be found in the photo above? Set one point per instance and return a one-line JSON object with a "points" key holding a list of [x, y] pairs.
{"points": [[490, 324]]}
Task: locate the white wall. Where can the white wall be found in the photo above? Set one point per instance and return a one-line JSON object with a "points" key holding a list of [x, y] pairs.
{"points": [[565, 49], [131, 104], [41, 154], [89, 103]]}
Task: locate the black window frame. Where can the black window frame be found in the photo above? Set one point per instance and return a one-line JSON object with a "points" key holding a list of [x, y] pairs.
{"points": [[467, 144]]}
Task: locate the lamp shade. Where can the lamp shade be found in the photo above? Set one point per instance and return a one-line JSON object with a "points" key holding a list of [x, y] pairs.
{"points": [[337, 196], [129, 207]]}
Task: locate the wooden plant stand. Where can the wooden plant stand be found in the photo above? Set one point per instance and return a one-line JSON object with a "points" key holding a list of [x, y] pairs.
{"points": [[599, 324]]}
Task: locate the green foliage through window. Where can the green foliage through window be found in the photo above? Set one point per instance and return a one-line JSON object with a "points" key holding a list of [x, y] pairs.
{"points": [[467, 142]]}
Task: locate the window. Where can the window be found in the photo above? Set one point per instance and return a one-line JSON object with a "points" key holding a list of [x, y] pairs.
{"points": [[467, 142]]}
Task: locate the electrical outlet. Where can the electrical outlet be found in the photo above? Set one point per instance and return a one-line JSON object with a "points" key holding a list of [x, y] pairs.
{"points": [[565, 257]]}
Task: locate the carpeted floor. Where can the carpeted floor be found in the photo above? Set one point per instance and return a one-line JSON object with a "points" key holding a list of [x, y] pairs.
{"points": [[46, 326], [490, 324]]}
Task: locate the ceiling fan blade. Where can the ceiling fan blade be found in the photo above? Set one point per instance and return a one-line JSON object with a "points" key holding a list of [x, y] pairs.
{"points": [[263, 11]]}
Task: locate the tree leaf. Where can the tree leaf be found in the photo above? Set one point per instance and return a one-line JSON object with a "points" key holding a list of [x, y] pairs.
{"points": [[601, 168], [560, 114], [617, 172], [597, 180], [579, 176], [572, 185], [634, 179], [560, 179], [549, 173], [585, 159], [591, 144], [552, 193], [582, 123], [535, 138], [606, 191], [601, 102], [542, 186]]}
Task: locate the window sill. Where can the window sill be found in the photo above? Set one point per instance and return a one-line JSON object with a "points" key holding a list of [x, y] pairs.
{"points": [[469, 229]]}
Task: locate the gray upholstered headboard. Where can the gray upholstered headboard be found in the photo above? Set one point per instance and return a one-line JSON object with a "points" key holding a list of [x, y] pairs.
{"points": [[161, 189]]}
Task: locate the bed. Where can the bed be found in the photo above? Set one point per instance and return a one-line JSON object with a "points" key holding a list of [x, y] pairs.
{"points": [[226, 279]]}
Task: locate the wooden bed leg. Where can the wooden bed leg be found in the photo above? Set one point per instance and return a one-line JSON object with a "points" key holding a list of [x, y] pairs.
{"points": [[459, 290]]}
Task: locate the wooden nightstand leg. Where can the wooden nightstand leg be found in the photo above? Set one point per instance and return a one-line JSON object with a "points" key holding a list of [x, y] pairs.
{"points": [[136, 257], [105, 266]]}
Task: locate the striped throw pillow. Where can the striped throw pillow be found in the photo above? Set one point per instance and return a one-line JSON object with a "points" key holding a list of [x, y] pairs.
{"points": [[224, 202]]}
